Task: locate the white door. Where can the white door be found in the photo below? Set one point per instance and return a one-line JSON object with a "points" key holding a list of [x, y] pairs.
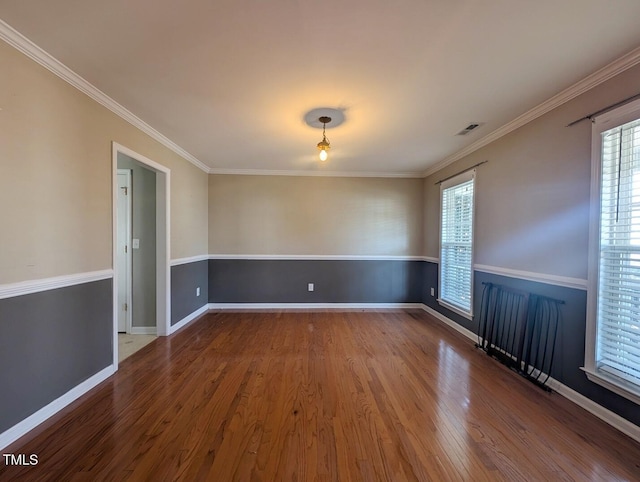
{"points": [[123, 250]]}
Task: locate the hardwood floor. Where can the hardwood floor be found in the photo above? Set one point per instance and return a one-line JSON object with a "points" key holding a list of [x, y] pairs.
{"points": [[297, 396]]}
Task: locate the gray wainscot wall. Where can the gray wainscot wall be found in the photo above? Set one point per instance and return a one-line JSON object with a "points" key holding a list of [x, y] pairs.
{"points": [[185, 280], [51, 342], [335, 281]]}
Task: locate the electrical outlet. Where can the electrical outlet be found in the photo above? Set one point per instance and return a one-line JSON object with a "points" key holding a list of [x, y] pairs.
{"points": [[310, 287], [433, 292], [198, 291]]}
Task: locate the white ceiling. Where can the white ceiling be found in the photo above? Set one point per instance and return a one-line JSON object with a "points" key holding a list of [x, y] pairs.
{"points": [[231, 81]]}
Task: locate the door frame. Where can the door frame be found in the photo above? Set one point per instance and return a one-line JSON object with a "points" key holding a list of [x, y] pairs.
{"points": [[129, 254], [163, 241]]}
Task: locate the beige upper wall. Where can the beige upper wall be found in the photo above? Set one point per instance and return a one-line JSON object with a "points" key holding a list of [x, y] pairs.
{"points": [[55, 177], [314, 215], [532, 197]]}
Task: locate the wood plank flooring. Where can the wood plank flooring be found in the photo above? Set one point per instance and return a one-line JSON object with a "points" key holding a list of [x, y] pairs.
{"points": [[323, 396]]}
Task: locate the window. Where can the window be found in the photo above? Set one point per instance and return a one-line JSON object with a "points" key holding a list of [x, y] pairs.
{"points": [[613, 339], [456, 243]]}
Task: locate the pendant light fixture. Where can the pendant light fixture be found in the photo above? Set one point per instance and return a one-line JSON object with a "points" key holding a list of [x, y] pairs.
{"points": [[324, 145]]}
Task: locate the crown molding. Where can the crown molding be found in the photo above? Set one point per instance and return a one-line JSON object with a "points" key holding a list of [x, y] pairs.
{"points": [[265, 172], [598, 77], [31, 50]]}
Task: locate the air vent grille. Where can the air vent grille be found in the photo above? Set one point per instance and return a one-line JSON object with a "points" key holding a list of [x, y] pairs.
{"points": [[469, 128]]}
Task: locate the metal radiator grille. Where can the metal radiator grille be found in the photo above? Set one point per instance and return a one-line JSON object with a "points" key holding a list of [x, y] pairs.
{"points": [[519, 329]]}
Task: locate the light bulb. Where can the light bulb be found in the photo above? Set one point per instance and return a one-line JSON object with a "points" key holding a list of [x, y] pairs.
{"points": [[323, 155]]}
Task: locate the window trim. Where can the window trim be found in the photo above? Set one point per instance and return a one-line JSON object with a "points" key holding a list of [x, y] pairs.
{"points": [[459, 179], [609, 120]]}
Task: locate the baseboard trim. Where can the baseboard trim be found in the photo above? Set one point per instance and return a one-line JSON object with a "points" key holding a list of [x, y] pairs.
{"points": [[31, 422], [144, 330], [189, 318], [616, 421], [449, 322], [312, 306], [46, 412], [604, 414]]}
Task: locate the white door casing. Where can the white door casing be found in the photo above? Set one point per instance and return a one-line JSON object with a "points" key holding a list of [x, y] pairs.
{"points": [[163, 242]]}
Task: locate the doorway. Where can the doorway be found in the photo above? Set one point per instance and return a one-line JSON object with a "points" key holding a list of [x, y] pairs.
{"points": [[123, 251], [141, 300]]}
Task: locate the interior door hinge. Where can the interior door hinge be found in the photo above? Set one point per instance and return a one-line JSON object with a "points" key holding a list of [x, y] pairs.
{"points": [[126, 307], [125, 249]]}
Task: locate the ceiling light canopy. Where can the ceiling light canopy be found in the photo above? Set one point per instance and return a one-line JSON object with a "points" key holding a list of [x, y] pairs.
{"points": [[324, 144]]}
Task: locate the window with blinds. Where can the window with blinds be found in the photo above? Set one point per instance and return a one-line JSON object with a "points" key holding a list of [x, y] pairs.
{"points": [[618, 303], [612, 342], [456, 243]]}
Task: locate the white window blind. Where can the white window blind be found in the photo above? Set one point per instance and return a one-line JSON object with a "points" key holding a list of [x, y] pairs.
{"points": [[456, 242], [618, 303]]}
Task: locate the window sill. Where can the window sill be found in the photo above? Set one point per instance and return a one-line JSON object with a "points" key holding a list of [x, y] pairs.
{"points": [[622, 388], [456, 310]]}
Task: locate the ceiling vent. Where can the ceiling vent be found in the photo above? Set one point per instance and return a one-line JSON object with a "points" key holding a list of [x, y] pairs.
{"points": [[469, 128]]}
